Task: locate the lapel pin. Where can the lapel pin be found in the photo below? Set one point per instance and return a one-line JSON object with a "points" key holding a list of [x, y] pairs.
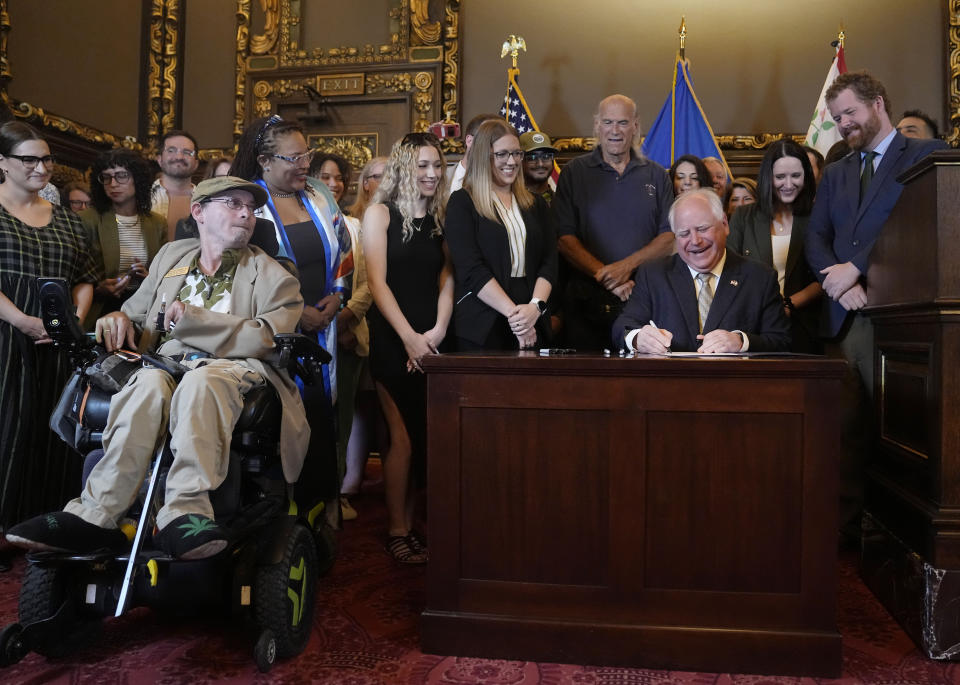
{"points": [[734, 282]]}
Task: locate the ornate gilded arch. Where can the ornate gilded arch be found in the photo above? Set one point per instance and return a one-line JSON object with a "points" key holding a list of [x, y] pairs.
{"points": [[420, 61]]}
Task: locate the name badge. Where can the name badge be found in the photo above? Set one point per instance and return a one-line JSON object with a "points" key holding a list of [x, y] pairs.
{"points": [[179, 271]]}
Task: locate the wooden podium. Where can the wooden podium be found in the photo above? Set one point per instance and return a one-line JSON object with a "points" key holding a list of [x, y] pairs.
{"points": [[652, 512], [911, 544]]}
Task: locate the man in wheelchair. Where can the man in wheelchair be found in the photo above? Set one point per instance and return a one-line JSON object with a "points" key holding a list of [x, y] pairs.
{"points": [[215, 304]]}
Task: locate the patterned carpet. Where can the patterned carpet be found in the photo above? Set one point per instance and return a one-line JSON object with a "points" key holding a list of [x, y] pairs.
{"points": [[365, 633]]}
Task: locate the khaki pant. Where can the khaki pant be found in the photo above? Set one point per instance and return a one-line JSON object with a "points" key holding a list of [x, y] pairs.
{"points": [[201, 411]]}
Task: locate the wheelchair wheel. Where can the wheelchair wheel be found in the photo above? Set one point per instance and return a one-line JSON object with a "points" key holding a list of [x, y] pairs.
{"points": [[265, 651], [12, 648], [43, 593], [285, 593]]}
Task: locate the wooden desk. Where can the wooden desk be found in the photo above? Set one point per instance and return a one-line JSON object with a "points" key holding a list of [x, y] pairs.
{"points": [[664, 513]]}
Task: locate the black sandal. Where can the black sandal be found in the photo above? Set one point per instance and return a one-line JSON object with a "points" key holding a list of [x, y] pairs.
{"points": [[406, 551]]}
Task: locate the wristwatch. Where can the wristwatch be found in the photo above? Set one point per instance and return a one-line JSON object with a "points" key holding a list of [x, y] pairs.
{"points": [[541, 305]]}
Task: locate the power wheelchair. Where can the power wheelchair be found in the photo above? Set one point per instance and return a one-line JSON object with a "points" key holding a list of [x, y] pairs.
{"points": [[266, 577]]}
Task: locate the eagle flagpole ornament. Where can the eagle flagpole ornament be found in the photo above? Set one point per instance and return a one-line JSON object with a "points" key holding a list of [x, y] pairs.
{"points": [[512, 46]]}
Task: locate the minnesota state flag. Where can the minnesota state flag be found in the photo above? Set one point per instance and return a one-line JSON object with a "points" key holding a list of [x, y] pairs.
{"points": [[681, 128]]}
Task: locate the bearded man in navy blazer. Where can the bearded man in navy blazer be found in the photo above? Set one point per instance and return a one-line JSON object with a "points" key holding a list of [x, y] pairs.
{"points": [[705, 298], [854, 199]]}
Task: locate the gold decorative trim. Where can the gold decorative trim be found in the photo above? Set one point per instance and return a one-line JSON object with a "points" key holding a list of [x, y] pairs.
{"points": [[163, 65], [5, 74], [263, 43], [39, 117], [727, 142], [427, 31], [757, 142], [451, 74], [420, 84], [356, 148], [952, 136], [293, 55], [169, 116], [240, 83], [154, 107], [208, 153]]}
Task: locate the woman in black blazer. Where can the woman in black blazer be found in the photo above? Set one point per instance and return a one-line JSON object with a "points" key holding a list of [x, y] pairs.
{"points": [[503, 247], [773, 230]]}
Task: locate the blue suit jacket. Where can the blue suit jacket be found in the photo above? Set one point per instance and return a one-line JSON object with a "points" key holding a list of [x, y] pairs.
{"points": [[843, 229], [747, 299]]}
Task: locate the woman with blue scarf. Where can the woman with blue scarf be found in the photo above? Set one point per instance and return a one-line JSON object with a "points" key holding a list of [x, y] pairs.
{"points": [[311, 232]]}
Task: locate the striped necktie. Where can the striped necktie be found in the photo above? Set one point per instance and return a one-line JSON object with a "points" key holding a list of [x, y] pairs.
{"points": [[705, 298]]}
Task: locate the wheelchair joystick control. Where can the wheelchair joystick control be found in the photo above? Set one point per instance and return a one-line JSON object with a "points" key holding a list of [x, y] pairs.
{"points": [[161, 313]]}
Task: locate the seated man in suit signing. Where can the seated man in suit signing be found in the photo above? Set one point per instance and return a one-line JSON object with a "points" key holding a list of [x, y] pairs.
{"points": [[704, 298]]}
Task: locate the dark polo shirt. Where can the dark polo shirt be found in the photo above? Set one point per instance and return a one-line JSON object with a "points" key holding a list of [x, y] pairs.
{"points": [[613, 215]]}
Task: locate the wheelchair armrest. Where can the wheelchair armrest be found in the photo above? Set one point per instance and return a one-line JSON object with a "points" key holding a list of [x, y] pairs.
{"points": [[300, 356]]}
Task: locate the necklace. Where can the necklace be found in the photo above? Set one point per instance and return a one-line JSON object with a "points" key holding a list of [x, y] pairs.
{"points": [[282, 194], [417, 226], [779, 226]]}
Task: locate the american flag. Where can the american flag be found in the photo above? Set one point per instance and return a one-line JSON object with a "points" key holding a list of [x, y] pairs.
{"points": [[515, 110]]}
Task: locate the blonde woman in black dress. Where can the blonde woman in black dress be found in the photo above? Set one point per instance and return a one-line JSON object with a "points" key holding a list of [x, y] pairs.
{"points": [[411, 279]]}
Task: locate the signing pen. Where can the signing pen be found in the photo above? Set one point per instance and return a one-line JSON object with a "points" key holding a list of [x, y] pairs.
{"points": [[658, 328]]}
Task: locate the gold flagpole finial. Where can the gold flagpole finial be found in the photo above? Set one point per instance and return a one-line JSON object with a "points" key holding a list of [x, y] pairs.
{"points": [[513, 45], [841, 35], [683, 36]]}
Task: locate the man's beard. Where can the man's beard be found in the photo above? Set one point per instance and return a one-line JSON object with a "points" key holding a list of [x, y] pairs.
{"points": [[178, 171], [862, 136]]}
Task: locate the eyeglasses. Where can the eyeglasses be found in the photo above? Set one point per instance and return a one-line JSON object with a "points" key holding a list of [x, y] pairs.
{"points": [[180, 151], [515, 155], [77, 205], [119, 177], [31, 161], [420, 139], [539, 156], [296, 159], [233, 203]]}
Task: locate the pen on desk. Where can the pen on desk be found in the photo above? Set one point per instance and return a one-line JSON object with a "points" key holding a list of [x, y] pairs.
{"points": [[658, 328]]}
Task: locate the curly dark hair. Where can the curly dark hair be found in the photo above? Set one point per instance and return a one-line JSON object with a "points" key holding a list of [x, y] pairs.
{"points": [[259, 138], [132, 162], [703, 176]]}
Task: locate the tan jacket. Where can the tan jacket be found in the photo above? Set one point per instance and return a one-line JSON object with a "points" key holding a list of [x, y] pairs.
{"points": [[265, 300]]}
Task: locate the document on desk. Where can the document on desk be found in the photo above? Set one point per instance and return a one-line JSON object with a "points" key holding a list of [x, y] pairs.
{"points": [[707, 355]]}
